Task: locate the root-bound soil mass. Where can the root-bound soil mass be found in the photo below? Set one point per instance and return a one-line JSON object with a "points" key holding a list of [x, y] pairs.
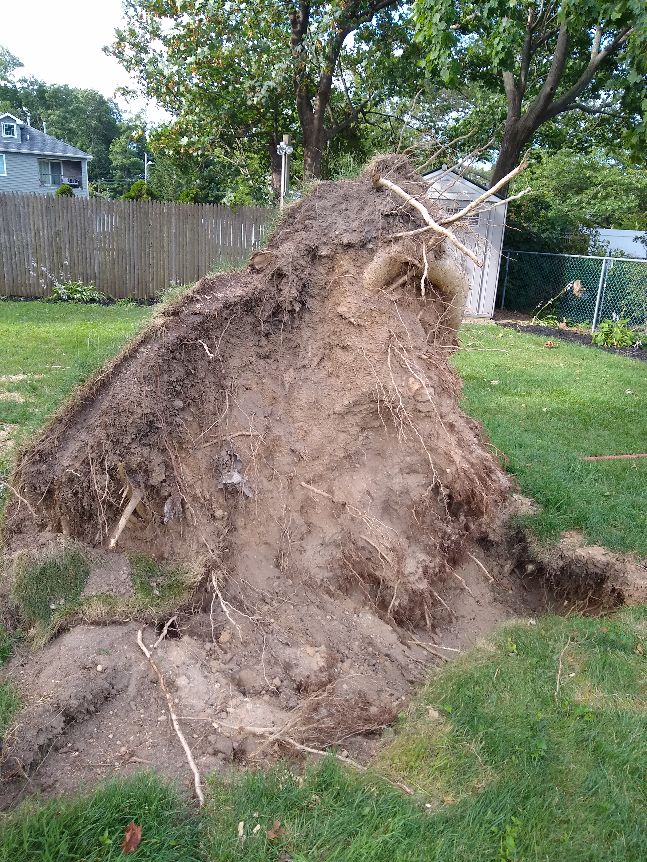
{"points": [[290, 436]]}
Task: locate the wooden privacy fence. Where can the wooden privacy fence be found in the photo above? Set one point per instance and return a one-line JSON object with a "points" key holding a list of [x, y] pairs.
{"points": [[125, 248]]}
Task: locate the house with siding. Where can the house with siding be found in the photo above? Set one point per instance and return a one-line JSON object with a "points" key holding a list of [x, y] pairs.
{"points": [[32, 161]]}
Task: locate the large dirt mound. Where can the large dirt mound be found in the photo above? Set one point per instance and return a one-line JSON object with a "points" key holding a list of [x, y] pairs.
{"points": [[294, 429], [298, 419]]}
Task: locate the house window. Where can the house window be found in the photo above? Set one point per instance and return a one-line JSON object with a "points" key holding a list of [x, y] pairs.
{"points": [[3, 166], [9, 130], [50, 173]]}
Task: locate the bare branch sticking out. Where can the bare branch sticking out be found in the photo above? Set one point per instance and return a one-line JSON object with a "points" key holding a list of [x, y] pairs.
{"points": [[429, 221], [472, 205]]}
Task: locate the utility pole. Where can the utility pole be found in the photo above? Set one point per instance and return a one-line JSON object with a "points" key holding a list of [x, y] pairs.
{"points": [[147, 165], [284, 150]]}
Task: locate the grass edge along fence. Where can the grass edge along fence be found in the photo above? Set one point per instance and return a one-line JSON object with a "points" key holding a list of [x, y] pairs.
{"points": [[583, 289], [126, 249]]}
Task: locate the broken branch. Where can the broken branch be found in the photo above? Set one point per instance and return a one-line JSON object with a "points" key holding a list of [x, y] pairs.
{"points": [[134, 501], [472, 205], [429, 221]]}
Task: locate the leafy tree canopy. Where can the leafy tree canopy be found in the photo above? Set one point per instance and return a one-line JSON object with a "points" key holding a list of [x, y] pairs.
{"points": [[8, 64], [528, 62], [573, 192], [239, 76]]}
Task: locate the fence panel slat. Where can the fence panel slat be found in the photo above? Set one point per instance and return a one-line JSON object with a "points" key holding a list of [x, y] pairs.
{"points": [[126, 248]]}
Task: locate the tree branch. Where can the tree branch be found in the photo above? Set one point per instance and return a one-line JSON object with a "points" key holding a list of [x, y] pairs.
{"points": [[547, 92], [562, 104]]}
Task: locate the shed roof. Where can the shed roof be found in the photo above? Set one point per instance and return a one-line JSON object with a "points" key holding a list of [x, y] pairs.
{"points": [[37, 143], [449, 184]]}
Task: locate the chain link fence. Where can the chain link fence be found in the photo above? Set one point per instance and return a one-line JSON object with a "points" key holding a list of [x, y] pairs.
{"points": [[580, 289]]}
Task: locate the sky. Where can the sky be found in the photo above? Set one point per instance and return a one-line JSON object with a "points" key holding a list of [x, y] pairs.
{"points": [[61, 43]]}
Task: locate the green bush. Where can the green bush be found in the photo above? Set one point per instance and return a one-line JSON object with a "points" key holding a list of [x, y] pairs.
{"points": [[139, 191], [65, 191], [614, 333], [74, 291]]}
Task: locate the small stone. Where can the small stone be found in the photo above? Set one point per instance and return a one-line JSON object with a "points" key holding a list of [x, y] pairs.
{"points": [[123, 750], [220, 744], [99, 668], [277, 681], [248, 681], [178, 404], [225, 636]]}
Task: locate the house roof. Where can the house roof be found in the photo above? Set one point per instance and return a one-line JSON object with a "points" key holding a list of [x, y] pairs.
{"points": [[37, 143], [452, 185]]}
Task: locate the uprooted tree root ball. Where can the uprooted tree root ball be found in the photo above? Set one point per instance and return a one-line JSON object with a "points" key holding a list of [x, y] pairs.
{"points": [[292, 431], [303, 408]]}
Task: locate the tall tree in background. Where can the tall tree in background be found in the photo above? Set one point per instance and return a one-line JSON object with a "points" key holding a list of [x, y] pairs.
{"points": [[83, 118], [8, 64], [541, 59], [244, 73]]}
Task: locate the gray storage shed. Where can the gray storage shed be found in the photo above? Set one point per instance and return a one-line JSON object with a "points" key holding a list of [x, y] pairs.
{"points": [[483, 233]]}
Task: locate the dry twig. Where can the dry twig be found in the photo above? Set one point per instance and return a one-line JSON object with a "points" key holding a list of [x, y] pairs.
{"points": [[174, 719]]}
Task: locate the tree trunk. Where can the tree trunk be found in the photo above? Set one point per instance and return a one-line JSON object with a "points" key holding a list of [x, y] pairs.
{"points": [[517, 134], [313, 145]]}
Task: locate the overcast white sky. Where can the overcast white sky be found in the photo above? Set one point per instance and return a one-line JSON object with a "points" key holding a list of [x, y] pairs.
{"points": [[61, 43]]}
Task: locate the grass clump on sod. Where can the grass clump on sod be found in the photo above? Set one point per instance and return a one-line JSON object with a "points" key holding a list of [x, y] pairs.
{"points": [[44, 588], [535, 752], [545, 409], [9, 700]]}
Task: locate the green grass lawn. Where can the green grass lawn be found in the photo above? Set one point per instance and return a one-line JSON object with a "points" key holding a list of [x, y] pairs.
{"points": [[543, 409], [51, 348], [506, 764]]}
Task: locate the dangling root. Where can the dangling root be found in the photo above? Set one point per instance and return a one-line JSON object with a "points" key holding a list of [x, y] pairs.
{"points": [[135, 500], [176, 724]]}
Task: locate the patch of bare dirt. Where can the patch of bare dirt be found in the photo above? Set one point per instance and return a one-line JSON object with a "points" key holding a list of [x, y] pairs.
{"points": [[294, 430]]}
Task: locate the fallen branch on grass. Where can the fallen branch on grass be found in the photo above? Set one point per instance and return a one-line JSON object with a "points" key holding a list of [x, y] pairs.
{"points": [[174, 719], [558, 680], [611, 457]]}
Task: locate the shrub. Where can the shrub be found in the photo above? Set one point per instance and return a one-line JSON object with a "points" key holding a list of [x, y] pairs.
{"points": [[74, 291], [65, 191], [615, 333], [139, 191]]}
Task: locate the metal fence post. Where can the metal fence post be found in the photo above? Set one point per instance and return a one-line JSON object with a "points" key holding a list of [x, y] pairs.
{"points": [[598, 299], [505, 279]]}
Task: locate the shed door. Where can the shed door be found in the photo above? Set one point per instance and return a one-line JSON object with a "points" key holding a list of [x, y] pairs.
{"points": [[474, 233]]}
